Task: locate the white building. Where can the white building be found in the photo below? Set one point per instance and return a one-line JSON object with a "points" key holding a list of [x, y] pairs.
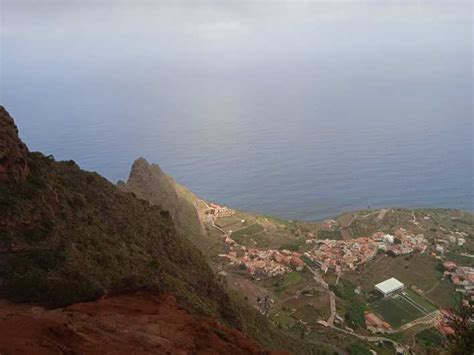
{"points": [[389, 287], [389, 238]]}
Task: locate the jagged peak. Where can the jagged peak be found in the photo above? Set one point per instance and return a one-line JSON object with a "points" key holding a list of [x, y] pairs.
{"points": [[141, 162], [13, 152], [141, 165]]}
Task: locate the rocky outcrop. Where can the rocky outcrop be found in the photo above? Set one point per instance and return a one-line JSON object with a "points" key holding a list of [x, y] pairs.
{"points": [[150, 183], [13, 152], [137, 323]]}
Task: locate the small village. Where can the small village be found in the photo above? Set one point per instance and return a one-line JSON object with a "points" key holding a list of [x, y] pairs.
{"points": [[327, 254]]}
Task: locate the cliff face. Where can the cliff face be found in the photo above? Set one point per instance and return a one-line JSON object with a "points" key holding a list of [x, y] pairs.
{"points": [[150, 183], [13, 152]]}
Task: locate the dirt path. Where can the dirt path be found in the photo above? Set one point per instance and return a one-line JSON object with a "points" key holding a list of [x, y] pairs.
{"points": [[414, 220], [355, 216], [382, 214], [332, 304], [432, 288], [213, 224]]}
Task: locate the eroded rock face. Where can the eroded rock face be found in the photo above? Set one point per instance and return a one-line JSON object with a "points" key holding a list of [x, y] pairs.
{"points": [[13, 152], [138, 323]]}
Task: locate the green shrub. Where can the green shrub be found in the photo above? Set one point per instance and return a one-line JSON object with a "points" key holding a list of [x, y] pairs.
{"points": [[429, 338], [355, 314], [357, 349]]}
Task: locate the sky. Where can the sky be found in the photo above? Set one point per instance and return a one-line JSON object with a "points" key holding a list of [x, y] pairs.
{"points": [[299, 92]]}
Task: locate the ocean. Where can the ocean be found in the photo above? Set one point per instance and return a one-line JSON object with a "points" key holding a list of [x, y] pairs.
{"points": [[299, 110]]}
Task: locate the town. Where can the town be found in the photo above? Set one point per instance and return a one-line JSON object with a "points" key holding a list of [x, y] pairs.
{"points": [[327, 254]]}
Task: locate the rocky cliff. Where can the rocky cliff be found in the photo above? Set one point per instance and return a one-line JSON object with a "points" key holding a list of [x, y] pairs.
{"points": [[150, 183], [13, 152]]}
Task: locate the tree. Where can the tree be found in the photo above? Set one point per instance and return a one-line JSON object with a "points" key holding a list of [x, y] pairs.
{"points": [[355, 314], [461, 320]]}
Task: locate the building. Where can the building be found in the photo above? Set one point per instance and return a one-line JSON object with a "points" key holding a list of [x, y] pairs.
{"points": [[389, 238], [440, 248], [374, 323], [389, 287]]}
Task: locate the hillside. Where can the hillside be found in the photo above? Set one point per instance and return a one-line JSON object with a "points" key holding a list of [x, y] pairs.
{"points": [[68, 236]]}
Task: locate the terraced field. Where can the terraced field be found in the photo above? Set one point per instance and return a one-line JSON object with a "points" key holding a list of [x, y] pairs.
{"points": [[209, 246], [248, 231]]}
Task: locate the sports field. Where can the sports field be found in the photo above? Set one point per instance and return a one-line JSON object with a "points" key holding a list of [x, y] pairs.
{"points": [[403, 308]]}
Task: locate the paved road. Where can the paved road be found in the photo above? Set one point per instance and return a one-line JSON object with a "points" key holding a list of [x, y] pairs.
{"points": [[332, 296], [368, 338], [332, 303]]}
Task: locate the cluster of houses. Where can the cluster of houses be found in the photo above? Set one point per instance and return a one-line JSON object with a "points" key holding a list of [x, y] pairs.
{"points": [[402, 243], [266, 263], [444, 323], [454, 239], [218, 211], [462, 277], [342, 254], [347, 254]]}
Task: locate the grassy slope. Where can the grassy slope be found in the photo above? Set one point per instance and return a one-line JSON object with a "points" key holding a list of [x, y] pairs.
{"points": [[67, 235]]}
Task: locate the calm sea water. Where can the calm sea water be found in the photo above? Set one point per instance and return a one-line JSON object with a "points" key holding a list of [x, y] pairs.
{"points": [[298, 110]]}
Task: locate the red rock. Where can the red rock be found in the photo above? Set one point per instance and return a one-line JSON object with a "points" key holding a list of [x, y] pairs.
{"points": [[138, 323]]}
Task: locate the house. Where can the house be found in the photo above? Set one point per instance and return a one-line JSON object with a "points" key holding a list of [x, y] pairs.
{"points": [[449, 266]]}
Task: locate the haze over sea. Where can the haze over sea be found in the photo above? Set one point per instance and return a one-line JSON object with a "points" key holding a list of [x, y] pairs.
{"points": [[300, 110]]}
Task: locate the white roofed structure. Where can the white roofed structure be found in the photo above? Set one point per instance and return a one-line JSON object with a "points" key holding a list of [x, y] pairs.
{"points": [[390, 286]]}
